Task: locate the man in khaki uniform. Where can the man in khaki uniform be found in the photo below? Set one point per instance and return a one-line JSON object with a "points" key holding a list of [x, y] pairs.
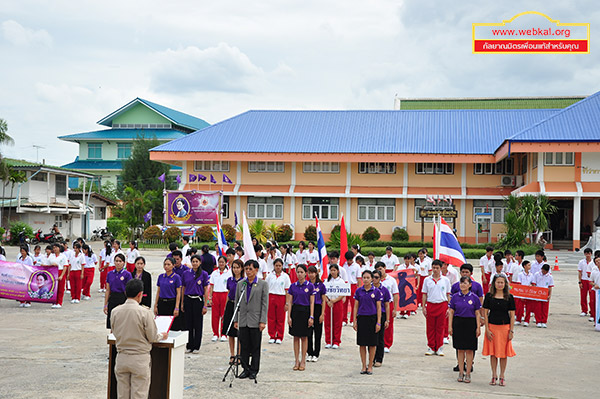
{"points": [[134, 329]]}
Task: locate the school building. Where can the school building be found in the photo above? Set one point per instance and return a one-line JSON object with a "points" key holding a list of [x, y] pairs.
{"points": [[379, 168]]}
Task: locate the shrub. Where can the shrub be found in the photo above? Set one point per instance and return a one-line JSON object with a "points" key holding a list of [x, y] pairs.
{"points": [[371, 234], [152, 233], [229, 232], [285, 233], [172, 234], [205, 233], [336, 228], [399, 235], [310, 233], [16, 228], [117, 227]]}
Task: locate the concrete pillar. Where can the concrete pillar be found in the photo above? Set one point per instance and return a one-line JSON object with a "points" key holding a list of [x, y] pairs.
{"points": [[596, 208], [576, 222]]}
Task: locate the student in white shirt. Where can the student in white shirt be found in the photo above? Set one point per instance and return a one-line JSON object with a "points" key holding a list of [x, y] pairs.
{"points": [[186, 247], [312, 257], [76, 268], [370, 262], [25, 259], [59, 259], [279, 283], [517, 267], [37, 256], [436, 295], [91, 260], [543, 278], [289, 259], [392, 286], [424, 270], [334, 311], [487, 265], [508, 263], [116, 249], [524, 307], [410, 267], [301, 255], [583, 269], [391, 261], [536, 265], [352, 272], [131, 255], [218, 298]]}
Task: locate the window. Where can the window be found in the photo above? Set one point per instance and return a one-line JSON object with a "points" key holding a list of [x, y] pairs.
{"points": [[266, 167], [123, 150], [421, 203], [558, 158], [504, 167], [94, 150], [61, 185], [321, 167], [496, 207], [119, 183], [377, 167], [324, 208], [225, 208], [41, 176], [377, 209], [434, 168], [211, 166], [265, 207], [58, 221], [100, 213], [524, 163]]}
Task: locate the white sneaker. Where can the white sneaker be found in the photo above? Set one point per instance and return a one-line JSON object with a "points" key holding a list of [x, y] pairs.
{"points": [[446, 341], [86, 298], [405, 316], [328, 346], [386, 350], [103, 289], [67, 291], [278, 341], [544, 325], [271, 341], [100, 290], [28, 305], [315, 359], [224, 338], [539, 325], [439, 352], [77, 301], [335, 346], [22, 305], [430, 352], [56, 306], [400, 316], [517, 323], [309, 358], [344, 324], [591, 319], [525, 324], [72, 300], [215, 338], [582, 314], [413, 313]]}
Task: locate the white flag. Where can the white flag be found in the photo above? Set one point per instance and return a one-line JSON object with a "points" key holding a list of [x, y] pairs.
{"points": [[248, 247]]}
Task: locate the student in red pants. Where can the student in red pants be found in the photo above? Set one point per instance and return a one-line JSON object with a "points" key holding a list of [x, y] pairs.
{"points": [[523, 306], [353, 274], [218, 298], [392, 286], [436, 294], [543, 278], [57, 258], [584, 270], [88, 270], [423, 271], [334, 312], [77, 264], [103, 269], [279, 283]]}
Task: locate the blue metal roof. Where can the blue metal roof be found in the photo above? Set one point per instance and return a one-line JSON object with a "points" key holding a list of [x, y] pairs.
{"points": [[100, 165], [577, 122], [177, 117], [395, 132], [125, 134]]}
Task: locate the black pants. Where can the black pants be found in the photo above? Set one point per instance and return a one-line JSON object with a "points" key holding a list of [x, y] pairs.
{"points": [[380, 342], [315, 333], [194, 318], [250, 347]]}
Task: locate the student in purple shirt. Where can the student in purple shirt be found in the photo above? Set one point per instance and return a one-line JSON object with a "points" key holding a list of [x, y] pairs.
{"points": [[237, 271], [301, 301], [367, 320], [386, 297], [316, 331], [194, 290], [464, 310], [115, 287], [168, 294]]}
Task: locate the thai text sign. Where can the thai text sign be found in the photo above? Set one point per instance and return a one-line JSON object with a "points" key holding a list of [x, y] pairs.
{"points": [[443, 212], [337, 288], [529, 292], [28, 283]]}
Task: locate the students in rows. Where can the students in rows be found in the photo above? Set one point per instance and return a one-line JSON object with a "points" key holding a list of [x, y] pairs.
{"points": [[543, 278], [370, 262], [168, 294], [289, 260], [77, 263], [487, 265], [367, 321], [37, 256], [237, 274], [334, 312], [301, 254], [91, 261], [536, 265], [584, 281], [301, 302], [312, 256], [141, 274], [390, 260], [194, 289], [103, 268], [524, 307], [279, 283], [436, 294], [392, 286], [386, 303], [424, 270], [517, 266], [131, 255], [24, 259], [218, 298], [353, 274], [315, 332], [115, 286], [57, 258]]}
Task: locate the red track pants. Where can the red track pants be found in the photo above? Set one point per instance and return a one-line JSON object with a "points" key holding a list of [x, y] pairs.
{"points": [[276, 316], [338, 315], [350, 303], [420, 290], [584, 290], [436, 317], [88, 279], [541, 312], [130, 267], [388, 334], [486, 286], [75, 280], [219, 300], [61, 288]]}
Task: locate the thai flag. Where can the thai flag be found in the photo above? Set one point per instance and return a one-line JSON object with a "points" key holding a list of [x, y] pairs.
{"points": [[445, 244], [221, 242], [323, 258]]}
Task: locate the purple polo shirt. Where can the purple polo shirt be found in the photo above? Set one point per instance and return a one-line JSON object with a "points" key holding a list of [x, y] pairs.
{"points": [[117, 280], [385, 297], [464, 305], [320, 290], [232, 287], [195, 285], [367, 300], [301, 293], [475, 288], [179, 270], [168, 285], [249, 287]]}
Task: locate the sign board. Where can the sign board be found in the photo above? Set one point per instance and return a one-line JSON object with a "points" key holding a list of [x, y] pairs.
{"points": [[446, 213], [185, 208], [336, 289], [28, 283], [529, 292], [590, 167]]}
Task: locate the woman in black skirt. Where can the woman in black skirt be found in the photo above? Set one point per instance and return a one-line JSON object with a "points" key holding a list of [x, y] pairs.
{"points": [[237, 270], [316, 331], [301, 301], [463, 326], [367, 320], [168, 294]]}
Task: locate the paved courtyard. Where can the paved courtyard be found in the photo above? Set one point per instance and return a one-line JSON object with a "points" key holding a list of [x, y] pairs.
{"points": [[63, 354]]}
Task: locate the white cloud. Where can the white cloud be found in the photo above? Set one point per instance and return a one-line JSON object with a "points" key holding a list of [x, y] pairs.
{"points": [[21, 36]]}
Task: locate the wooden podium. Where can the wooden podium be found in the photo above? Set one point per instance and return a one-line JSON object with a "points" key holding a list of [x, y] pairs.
{"points": [[167, 367]]}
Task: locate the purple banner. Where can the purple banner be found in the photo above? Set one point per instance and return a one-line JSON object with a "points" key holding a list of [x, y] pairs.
{"points": [[186, 208], [28, 283]]}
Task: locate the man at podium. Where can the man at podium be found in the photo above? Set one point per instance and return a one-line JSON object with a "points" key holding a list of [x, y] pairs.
{"points": [[135, 330]]}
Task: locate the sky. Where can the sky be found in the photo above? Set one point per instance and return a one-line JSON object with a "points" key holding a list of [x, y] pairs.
{"points": [[66, 64]]}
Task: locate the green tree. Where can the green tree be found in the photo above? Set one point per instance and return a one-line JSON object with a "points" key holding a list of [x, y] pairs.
{"points": [[5, 139], [527, 216], [135, 205], [140, 172]]}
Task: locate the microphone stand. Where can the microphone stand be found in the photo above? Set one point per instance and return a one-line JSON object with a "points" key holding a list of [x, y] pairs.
{"points": [[234, 366]]}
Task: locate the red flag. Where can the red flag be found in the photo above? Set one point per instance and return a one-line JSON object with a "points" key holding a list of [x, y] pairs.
{"points": [[343, 242]]}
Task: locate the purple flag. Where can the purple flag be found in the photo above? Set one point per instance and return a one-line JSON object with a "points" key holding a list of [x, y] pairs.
{"points": [[178, 178], [212, 179], [235, 218], [201, 177], [162, 178], [148, 216], [226, 179], [191, 178]]}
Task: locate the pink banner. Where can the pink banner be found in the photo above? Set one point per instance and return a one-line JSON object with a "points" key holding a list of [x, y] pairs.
{"points": [[28, 283]]}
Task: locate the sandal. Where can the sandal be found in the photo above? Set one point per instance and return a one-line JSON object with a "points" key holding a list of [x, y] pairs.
{"points": [[467, 378], [460, 378], [493, 381], [363, 371], [301, 368], [296, 367], [502, 383]]}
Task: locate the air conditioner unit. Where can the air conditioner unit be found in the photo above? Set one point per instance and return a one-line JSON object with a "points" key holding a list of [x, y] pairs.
{"points": [[509, 181]]}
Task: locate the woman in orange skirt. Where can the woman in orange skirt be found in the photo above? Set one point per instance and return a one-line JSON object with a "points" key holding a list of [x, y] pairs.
{"points": [[499, 314]]}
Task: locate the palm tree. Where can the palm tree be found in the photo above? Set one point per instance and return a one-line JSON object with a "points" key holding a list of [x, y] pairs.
{"points": [[273, 230], [258, 230], [4, 169], [15, 177]]}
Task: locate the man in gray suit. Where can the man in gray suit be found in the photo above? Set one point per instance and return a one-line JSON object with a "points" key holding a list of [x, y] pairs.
{"points": [[251, 317]]}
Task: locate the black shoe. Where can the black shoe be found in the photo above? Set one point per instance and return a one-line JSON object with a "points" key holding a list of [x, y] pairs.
{"points": [[244, 374], [252, 376], [456, 368]]}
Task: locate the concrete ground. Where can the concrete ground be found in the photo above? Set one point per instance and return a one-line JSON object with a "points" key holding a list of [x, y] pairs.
{"points": [[63, 354]]}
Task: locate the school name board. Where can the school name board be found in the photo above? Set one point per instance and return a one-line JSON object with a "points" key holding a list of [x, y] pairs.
{"points": [[443, 212], [337, 288], [590, 166]]}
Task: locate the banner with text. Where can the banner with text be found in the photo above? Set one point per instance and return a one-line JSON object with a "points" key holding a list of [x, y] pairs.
{"points": [[529, 292], [192, 207], [407, 289], [336, 289], [28, 283]]}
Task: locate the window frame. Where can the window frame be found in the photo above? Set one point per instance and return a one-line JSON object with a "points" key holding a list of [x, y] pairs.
{"points": [[97, 148], [320, 206], [224, 166], [309, 167], [376, 210], [550, 159], [263, 167], [261, 208], [377, 168], [120, 147], [58, 185]]}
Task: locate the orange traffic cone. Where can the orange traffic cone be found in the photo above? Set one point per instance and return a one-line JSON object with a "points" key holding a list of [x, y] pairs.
{"points": [[556, 269]]}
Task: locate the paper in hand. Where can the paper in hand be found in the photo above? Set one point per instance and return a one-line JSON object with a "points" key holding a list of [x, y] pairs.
{"points": [[163, 323]]}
